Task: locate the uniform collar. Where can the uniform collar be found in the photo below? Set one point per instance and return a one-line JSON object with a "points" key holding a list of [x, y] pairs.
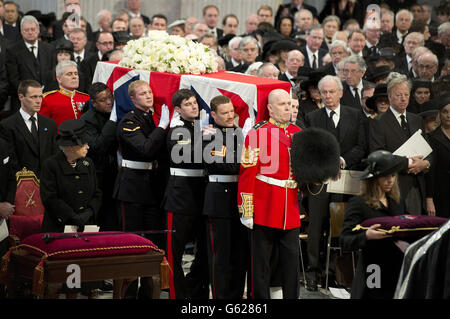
{"points": [[66, 92], [280, 125]]}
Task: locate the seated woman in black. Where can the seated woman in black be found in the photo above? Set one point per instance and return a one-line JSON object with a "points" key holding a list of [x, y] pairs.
{"points": [[380, 259]]}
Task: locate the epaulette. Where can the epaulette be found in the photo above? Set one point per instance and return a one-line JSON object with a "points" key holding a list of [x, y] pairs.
{"points": [[49, 92], [296, 125], [259, 124], [81, 93]]}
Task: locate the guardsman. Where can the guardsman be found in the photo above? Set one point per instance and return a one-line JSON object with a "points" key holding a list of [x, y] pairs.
{"points": [[66, 103], [268, 198], [141, 144], [183, 199], [226, 237]]}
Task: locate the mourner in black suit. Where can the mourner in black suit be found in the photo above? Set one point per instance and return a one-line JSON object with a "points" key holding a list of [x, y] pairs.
{"points": [[23, 64], [346, 124], [312, 50], [354, 70], [12, 33], [29, 147], [226, 237], [102, 141], [389, 131], [69, 188], [138, 186], [184, 199], [4, 87], [377, 248]]}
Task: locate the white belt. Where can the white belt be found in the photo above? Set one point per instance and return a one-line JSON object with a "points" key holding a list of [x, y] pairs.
{"points": [[223, 178], [277, 182], [137, 165], [187, 172]]}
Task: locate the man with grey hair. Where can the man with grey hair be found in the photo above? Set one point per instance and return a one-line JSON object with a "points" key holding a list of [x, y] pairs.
{"points": [[403, 20], [444, 35], [295, 59], [303, 20], [268, 70], [248, 47], [346, 124], [387, 22], [412, 41], [417, 52], [354, 70], [234, 53], [338, 52], [312, 50], [392, 129], [428, 66], [29, 59], [66, 103]]}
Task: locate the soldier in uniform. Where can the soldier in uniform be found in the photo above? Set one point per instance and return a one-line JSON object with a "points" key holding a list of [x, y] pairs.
{"points": [[141, 144], [226, 237], [102, 141], [183, 199], [66, 103], [268, 199]]}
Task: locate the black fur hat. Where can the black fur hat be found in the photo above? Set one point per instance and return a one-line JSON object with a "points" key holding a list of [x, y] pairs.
{"points": [[314, 156]]}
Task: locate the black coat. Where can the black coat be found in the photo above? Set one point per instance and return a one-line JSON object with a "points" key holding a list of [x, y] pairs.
{"points": [[139, 140], [8, 184], [4, 86], [184, 195], [349, 99], [12, 33], [352, 138], [67, 192], [87, 69], [22, 65], [328, 69], [382, 252], [26, 153], [321, 54], [221, 198], [385, 133], [438, 180]]}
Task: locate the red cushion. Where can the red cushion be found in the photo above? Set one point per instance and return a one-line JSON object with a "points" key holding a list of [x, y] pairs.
{"points": [[24, 226], [405, 225], [101, 244]]}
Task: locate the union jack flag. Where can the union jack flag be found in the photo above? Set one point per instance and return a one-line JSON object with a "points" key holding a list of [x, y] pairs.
{"points": [[248, 93]]}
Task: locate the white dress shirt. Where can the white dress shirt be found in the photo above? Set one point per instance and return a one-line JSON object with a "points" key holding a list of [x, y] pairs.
{"points": [[26, 117], [35, 47], [311, 57]]}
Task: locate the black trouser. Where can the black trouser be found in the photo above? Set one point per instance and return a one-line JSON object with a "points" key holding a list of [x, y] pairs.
{"points": [[227, 244], [195, 285], [262, 241]]}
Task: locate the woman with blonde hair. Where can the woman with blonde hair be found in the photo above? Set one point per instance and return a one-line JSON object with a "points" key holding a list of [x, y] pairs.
{"points": [[380, 260]]}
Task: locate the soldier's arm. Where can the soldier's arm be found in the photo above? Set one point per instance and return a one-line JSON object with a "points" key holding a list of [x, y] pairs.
{"points": [[130, 132]]}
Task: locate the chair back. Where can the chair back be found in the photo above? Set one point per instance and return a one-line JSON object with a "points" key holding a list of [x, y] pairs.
{"points": [[337, 215], [28, 198]]}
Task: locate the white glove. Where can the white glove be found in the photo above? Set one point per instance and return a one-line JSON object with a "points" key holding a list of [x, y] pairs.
{"points": [[249, 123], [176, 121], [113, 116], [204, 119], [247, 222], [165, 117]]}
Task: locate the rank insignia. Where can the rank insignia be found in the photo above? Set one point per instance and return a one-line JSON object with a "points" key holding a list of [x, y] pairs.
{"points": [[184, 142], [246, 209], [249, 157], [85, 163]]}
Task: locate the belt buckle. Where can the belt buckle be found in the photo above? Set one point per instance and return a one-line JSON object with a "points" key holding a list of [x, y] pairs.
{"points": [[291, 184]]}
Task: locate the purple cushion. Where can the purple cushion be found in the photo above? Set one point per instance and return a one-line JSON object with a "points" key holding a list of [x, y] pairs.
{"points": [[405, 225]]}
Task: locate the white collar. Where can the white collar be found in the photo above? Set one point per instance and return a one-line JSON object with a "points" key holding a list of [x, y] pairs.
{"points": [[79, 54], [31, 45], [26, 116], [337, 111], [134, 15], [397, 114], [359, 87]]}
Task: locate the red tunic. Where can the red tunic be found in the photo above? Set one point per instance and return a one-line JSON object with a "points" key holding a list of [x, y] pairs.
{"points": [[63, 105], [266, 160]]}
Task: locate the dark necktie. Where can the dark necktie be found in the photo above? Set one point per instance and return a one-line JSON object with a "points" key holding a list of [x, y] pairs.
{"points": [[34, 130], [332, 113], [314, 62], [403, 123], [78, 59], [357, 98], [32, 51]]}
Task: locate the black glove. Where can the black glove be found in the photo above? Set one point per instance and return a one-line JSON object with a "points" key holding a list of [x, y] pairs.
{"points": [[77, 221]]}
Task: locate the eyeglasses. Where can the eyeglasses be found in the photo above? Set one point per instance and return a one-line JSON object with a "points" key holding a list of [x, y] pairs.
{"points": [[346, 71], [427, 67]]}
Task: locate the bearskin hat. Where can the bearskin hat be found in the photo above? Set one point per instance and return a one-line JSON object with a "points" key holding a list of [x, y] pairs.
{"points": [[314, 156]]}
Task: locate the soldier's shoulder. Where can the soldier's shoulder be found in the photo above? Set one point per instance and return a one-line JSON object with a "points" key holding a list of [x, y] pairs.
{"points": [[259, 125], [50, 93], [82, 93]]}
